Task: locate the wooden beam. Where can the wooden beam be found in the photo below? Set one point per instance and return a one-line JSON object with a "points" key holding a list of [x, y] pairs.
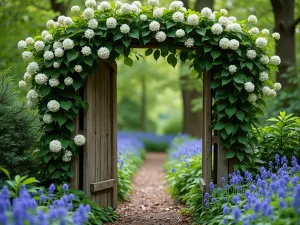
{"points": [[215, 139], [102, 185], [202, 185]]}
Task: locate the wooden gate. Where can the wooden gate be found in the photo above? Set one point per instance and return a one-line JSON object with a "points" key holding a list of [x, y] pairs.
{"points": [[96, 166]]}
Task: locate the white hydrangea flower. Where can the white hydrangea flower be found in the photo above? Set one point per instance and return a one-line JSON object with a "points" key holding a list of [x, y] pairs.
{"points": [[103, 53], [68, 21], [264, 59], [224, 12], [193, 20], [68, 81], [57, 44], [158, 13], [78, 68], [49, 24], [232, 69], [261, 42], [59, 52], [224, 43], [22, 84], [273, 93], [189, 42], [217, 28], [75, 9], [67, 156], [232, 19], [27, 76], [254, 30], [266, 91], [68, 44], [212, 17], [29, 41], [265, 31], [234, 27], [160, 36], [88, 13], [223, 21], [41, 78], [233, 44], [31, 104], [89, 33], [249, 86], [134, 9], [53, 82], [48, 38], [55, 146], [252, 19], [118, 4], [48, 55], [125, 8], [154, 26], [53, 106], [44, 33], [277, 86], [125, 29], [153, 3], [56, 65], [90, 3], [56, 25], [86, 51], [178, 17], [252, 98], [143, 17], [32, 95], [176, 5], [206, 12], [137, 4], [79, 140], [104, 6], [39, 45], [183, 9], [263, 76], [47, 118], [251, 54], [180, 33], [32, 67], [61, 19], [111, 23], [276, 35], [275, 60], [27, 56]]}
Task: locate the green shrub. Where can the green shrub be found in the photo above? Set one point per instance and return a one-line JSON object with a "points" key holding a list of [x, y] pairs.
{"points": [[18, 130], [173, 126], [156, 146]]}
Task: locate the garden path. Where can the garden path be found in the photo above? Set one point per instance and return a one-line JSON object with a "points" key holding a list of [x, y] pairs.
{"points": [[150, 203]]}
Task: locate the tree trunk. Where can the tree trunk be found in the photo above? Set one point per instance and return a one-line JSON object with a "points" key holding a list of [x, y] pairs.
{"points": [[143, 104], [58, 7], [200, 4], [285, 24]]}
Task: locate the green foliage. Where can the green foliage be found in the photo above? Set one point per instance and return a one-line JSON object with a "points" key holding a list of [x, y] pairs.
{"points": [[153, 146], [281, 137], [18, 129], [233, 114], [173, 126]]}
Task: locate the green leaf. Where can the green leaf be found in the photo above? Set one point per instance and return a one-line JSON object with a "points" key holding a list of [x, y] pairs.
{"points": [[118, 35], [89, 60], [201, 31], [119, 49], [184, 56], [5, 171], [56, 175], [45, 90], [156, 54], [240, 155], [71, 55], [215, 84], [65, 166], [226, 80], [145, 32], [207, 48], [215, 53], [243, 139], [229, 128], [188, 29], [126, 41], [230, 154], [230, 111], [128, 61], [134, 34], [47, 158], [249, 65], [232, 98], [51, 168], [70, 126], [70, 174], [219, 126], [61, 120], [170, 24], [66, 105], [85, 105], [148, 51], [172, 60], [77, 84], [221, 105], [240, 115]]}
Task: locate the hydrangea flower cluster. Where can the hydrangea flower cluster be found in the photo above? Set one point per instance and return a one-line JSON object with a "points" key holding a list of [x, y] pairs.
{"points": [[26, 209]]}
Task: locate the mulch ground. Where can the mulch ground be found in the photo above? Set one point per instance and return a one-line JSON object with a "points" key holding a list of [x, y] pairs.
{"points": [[150, 203]]}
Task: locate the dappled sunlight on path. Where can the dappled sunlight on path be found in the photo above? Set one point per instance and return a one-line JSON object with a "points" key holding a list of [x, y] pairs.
{"points": [[150, 203]]}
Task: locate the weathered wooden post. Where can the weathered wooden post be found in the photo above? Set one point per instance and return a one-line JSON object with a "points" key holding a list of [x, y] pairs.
{"points": [[96, 167]]}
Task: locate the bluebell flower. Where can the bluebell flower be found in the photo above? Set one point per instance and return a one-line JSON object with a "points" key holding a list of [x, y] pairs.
{"points": [[225, 221], [206, 195], [211, 186], [65, 187], [173, 170], [226, 210], [52, 188], [277, 159], [213, 200], [296, 200], [236, 214], [223, 180]]}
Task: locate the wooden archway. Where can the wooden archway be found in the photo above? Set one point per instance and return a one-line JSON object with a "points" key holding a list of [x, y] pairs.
{"points": [[96, 167]]}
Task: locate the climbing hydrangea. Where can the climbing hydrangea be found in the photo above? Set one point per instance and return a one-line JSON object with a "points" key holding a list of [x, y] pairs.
{"points": [[61, 59]]}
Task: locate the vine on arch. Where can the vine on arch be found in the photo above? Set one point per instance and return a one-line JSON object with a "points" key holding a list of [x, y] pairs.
{"points": [[63, 56]]}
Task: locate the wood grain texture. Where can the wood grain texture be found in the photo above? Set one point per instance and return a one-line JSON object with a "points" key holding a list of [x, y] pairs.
{"points": [[102, 185]]}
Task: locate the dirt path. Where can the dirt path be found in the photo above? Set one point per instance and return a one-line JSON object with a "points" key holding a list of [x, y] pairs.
{"points": [[150, 203]]}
